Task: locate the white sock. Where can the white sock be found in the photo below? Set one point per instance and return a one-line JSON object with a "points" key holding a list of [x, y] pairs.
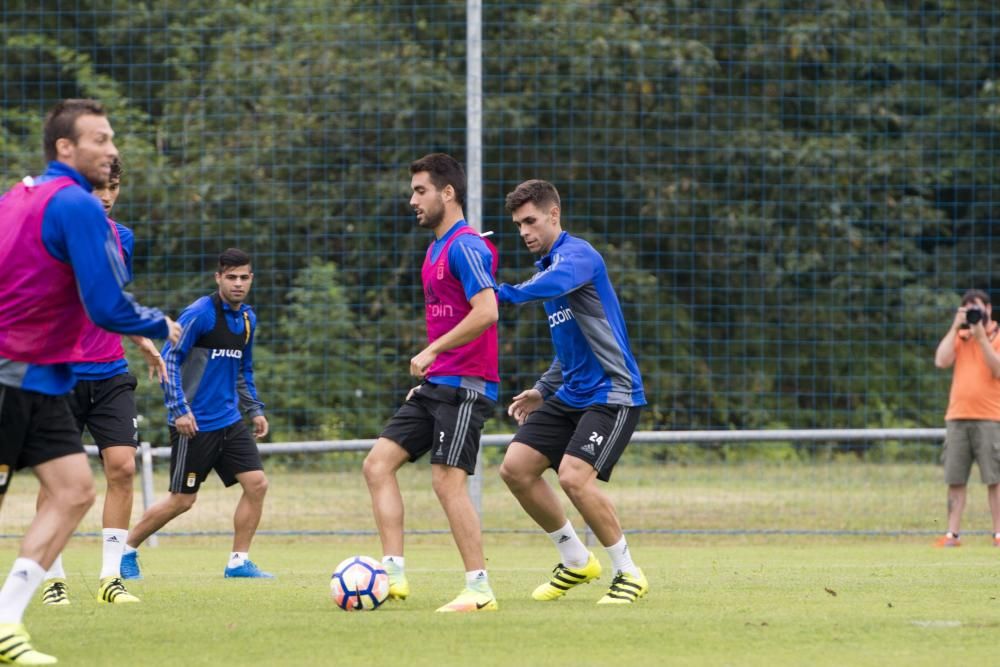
{"points": [[56, 571], [572, 552], [396, 562], [112, 550], [128, 549], [238, 558], [621, 558], [22, 582], [477, 580]]}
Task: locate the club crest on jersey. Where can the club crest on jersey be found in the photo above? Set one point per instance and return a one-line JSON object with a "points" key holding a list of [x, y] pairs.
{"points": [[4, 474], [233, 354]]}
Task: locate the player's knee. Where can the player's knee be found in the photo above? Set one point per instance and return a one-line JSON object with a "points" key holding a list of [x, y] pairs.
{"points": [[447, 480], [76, 496], [375, 468], [120, 472], [513, 477], [572, 482], [256, 485], [182, 502], [369, 467]]}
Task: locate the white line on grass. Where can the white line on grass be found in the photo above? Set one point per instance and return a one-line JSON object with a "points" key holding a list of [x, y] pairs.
{"points": [[936, 624]]}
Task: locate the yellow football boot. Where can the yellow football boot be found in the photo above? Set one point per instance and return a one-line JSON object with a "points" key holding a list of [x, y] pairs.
{"points": [[55, 593], [625, 589], [16, 648], [113, 591], [565, 578]]}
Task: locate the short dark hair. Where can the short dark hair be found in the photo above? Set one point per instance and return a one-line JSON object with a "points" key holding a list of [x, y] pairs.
{"points": [[538, 192], [232, 257], [60, 122], [973, 294], [116, 170], [444, 170]]}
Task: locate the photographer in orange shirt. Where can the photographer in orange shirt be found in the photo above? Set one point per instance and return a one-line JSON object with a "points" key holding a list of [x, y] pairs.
{"points": [[973, 417]]}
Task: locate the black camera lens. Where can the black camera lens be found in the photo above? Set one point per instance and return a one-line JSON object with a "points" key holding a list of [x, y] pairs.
{"points": [[973, 316]]}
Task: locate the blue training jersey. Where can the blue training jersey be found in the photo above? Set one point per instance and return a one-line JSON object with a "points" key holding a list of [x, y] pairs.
{"points": [[213, 384], [471, 263], [594, 363], [75, 230]]}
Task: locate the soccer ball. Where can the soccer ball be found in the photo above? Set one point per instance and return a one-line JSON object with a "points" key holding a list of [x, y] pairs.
{"points": [[359, 583]]}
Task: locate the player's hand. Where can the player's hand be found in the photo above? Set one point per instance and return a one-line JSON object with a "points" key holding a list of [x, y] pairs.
{"points": [[173, 331], [420, 363], [260, 426], [524, 404], [186, 425], [157, 367]]}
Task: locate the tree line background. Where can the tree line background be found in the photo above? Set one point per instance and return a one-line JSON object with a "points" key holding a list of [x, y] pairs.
{"points": [[790, 196]]}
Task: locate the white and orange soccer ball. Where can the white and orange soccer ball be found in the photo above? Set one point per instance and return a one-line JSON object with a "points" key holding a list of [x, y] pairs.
{"points": [[360, 583]]}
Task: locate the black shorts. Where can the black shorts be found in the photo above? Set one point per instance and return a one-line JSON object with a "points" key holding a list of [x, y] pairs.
{"points": [[598, 434], [107, 409], [229, 451], [34, 428], [446, 421]]}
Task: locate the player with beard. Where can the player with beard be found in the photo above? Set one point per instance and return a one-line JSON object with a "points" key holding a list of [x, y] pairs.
{"points": [[444, 415], [103, 401], [61, 270]]}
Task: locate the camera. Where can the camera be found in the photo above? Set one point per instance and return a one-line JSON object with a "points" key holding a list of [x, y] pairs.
{"points": [[974, 315]]}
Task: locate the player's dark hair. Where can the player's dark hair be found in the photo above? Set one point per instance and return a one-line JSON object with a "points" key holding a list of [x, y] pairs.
{"points": [[60, 122], [116, 170], [232, 257], [444, 170], [540, 193], [973, 294]]}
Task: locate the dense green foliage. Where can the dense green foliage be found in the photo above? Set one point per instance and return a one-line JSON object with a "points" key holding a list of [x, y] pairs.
{"points": [[789, 200]]}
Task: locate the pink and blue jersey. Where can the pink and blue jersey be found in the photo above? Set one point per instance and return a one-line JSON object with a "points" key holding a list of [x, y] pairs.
{"points": [[456, 267], [61, 264]]}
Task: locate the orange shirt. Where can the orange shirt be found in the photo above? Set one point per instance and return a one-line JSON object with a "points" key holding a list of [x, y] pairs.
{"points": [[975, 393]]}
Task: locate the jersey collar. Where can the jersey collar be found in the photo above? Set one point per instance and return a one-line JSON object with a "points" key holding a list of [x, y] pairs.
{"points": [[546, 260], [56, 168]]}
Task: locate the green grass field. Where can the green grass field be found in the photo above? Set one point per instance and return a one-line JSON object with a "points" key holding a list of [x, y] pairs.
{"points": [[718, 601]]}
